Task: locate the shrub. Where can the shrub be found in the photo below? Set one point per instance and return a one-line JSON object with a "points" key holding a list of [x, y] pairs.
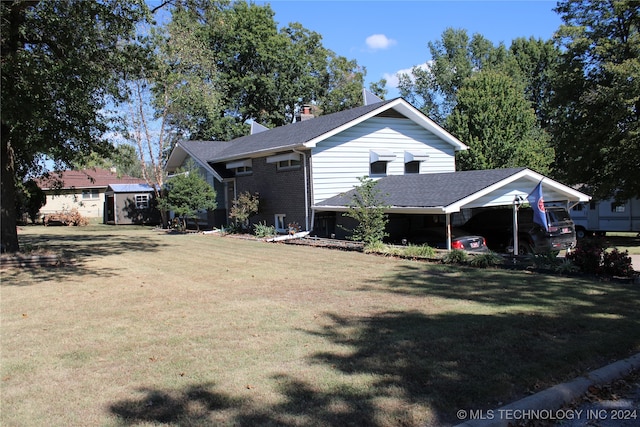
{"points": [[616, 263], [420, 251], [455, 256], [587, 256], [263, 230], [490, 259], [376, 248], [590, 257]]}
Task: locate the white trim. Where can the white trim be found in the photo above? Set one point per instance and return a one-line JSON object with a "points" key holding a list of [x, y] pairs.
{"points": [[381, 156], [246, 163], [415, 156]]}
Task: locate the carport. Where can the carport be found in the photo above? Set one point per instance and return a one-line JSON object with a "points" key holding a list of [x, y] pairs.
{"points": [[449, 193]]}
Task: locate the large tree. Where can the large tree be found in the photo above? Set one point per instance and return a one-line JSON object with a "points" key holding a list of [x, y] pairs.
{"points": [[488, 97], [493, 117], [62, 64], [596, 127], [262, 73]]}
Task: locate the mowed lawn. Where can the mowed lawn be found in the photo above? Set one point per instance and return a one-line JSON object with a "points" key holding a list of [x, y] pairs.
{"points": [[148, 328]]}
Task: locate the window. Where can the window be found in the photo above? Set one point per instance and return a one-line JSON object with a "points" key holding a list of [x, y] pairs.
{"points": [[286, 161], [281, 223], [412, 167], [412, 160], [90, 194], [241, 167], [142, 201], [617, 207], [243, 170], [288, 165], [378, 168], [378, 160]]}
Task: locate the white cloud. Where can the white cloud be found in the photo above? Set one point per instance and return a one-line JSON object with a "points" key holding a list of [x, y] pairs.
{"points": [[379, 41], [392, 79]]}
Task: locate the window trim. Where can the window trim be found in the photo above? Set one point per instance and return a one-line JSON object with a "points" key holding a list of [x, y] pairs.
{"points": [[90, 194], [139, 204]]}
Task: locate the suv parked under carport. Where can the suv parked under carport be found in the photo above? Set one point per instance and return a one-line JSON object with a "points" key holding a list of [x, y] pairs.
{"points": [[496, 225]]}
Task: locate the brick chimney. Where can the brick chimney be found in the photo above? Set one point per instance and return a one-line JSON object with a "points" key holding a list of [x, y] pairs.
{"points": [[305, 113]]}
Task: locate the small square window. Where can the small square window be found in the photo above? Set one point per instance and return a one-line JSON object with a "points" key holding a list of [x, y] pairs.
{"points": [[378, 168], [142, 201], [412, 167]]}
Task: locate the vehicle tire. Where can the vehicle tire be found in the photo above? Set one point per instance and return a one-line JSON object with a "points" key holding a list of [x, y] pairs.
{"points": [[581, 233], [524, 248]]}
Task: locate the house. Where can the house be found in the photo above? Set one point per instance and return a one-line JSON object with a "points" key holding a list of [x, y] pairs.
{"points": [[131, 204], [304, 171], [83, 190]]}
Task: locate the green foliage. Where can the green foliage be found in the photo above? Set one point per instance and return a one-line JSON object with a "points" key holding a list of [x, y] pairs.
{"points": [[367, 208], [253, 70], [617, 263], [590, 256], [495, 119], [263, 230], [596, 126], [244, 207], [587, 255], [455, 256], [63, 62], [30, 199], [188, 193], [490, 259], [419, 251]]}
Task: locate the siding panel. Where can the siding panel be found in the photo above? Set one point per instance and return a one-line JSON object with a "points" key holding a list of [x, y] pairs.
{"points": [[339, 161]]}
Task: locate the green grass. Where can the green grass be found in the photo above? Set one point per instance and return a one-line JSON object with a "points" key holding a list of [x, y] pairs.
{"points": [[148, 328]]}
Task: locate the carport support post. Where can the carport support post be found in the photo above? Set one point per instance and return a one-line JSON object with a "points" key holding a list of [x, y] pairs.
{"points": [[447, 217], [516, 203]]}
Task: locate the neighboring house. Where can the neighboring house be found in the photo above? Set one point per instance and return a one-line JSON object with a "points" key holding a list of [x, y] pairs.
{"points": [[303, 170], [83, 190], [131, 204]]}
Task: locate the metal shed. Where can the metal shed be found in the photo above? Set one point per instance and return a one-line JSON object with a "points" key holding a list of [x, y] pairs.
{"points": [[127, 204]]}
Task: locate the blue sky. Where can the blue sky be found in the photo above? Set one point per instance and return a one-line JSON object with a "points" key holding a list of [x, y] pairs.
{"points": [[388, 36]]}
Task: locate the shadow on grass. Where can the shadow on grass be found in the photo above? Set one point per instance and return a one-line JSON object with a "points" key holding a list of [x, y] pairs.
{"points": [[190, 405], [511, 334], [74, 248]]}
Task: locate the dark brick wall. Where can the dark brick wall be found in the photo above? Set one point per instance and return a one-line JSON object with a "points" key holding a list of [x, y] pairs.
{"points": [[281, 192]]}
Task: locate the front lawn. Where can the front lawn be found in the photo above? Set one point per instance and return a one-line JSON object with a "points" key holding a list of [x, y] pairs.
{"points": [[148, 328]]}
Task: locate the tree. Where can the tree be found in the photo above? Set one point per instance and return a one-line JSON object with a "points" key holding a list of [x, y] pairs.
{"points": [[30, 199], [62, 64], [244, 207], [495, 119], [367, 208], [187, 194], [596, 126], [262, 73]]}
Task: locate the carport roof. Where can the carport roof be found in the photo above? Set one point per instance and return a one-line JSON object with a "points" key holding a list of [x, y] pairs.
{"points": [[449, 192]]}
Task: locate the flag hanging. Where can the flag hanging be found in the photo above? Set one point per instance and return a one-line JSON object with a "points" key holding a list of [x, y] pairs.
{"points": [[537, 204]]}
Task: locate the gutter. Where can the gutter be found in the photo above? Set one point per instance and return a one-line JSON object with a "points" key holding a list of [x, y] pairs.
{"points": [[306, 187]]}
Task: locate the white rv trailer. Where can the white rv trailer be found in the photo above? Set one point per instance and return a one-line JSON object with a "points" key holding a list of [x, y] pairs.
{"points": [[600, 217]]}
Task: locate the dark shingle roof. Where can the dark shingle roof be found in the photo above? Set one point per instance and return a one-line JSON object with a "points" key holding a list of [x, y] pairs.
{"points": [[277, 139], [429, 190]]}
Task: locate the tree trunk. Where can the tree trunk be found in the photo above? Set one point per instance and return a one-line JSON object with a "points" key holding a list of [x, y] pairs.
{"points": [[9, 232]]}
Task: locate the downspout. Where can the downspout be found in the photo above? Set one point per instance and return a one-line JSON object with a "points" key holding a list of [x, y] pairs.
{"points": [[306, 189]]}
